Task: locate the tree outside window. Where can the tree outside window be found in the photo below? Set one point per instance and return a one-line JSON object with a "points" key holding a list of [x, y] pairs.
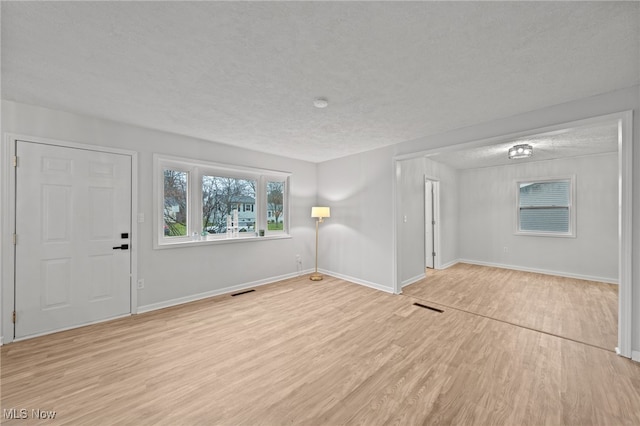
{"points": [[175, 203], [275, 205], [221, 196]]}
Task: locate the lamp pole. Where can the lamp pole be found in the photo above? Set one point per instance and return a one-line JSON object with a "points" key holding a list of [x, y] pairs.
{"points": [[319, 213], [316, 276]]}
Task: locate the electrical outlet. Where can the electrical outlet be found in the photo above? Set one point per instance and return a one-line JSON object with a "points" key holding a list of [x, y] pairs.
{"points": [[140, 283], [506, 249], [298, 258]]}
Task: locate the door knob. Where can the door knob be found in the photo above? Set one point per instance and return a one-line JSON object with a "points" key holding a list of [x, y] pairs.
{"points": [[122, 247]]}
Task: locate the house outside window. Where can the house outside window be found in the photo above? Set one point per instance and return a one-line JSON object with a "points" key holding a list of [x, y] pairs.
{"points": [[221, 197], [546, 207]]}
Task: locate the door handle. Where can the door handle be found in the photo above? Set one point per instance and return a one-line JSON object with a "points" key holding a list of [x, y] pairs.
{"points": [[122, 247]]}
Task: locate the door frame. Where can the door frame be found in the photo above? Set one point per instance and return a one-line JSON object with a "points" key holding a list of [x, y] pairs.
{"points": [[7, 251], [436, 217], [625, 178]]}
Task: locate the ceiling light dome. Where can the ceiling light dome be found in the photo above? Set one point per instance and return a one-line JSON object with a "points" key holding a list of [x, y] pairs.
{"points": [[520, 151]]}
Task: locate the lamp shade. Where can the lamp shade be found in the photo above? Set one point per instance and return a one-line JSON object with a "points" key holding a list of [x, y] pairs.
{"points": [[320, 212]]}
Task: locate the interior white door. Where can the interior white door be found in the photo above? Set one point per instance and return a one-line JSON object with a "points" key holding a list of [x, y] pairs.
{"points": [[429, 224], [73, 218]]}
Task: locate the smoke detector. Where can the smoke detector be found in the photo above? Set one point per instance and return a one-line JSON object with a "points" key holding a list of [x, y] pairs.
{"points": [[320, 103]]}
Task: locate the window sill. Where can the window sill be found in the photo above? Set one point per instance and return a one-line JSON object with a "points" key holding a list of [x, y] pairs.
{"points": [[545, 234], [216, 241]]}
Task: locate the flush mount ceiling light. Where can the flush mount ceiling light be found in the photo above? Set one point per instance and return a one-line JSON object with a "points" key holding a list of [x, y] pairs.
{"points": [[320, 103], [520, 151]]}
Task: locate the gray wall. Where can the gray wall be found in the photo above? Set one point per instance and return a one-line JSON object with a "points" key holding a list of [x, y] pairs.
{"points": [[488, 216], [178, 273]]}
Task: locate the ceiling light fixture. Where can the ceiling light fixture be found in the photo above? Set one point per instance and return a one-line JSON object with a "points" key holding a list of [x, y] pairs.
{"points": [[520, 151], [320, 103]]}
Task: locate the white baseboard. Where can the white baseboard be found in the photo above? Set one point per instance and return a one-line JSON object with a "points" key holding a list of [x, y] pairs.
{"points": [[635, 355], [217, 292], [71, 327], [449, 264], [412, 280], [542, 271], [1, 340], [354, 280]]}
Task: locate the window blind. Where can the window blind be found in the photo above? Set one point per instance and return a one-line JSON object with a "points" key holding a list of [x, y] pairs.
{"points": [[544, 206]]}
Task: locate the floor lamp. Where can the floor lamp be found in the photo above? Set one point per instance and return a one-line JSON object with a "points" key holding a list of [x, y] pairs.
{"points": [[319, 213]]}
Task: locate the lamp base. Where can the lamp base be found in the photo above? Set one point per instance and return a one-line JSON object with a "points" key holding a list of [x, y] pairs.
{"points": [[315, 277]]}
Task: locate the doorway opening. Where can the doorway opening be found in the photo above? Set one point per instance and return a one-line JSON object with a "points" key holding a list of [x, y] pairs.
{"points": [[431, 223], [622, 141]]}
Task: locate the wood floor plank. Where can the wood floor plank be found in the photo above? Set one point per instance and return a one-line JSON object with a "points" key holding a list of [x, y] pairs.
{"points": [[316, 353], [585, 311]]}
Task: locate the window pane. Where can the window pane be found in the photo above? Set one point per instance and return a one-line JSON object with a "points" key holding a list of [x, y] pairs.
{"points": [[544, 206], [275, 206], [224, 197], [175, 203], [545, 219], [544, 194]]}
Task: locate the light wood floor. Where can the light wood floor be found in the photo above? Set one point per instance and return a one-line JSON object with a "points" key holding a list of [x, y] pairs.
{"points": [[585, 311], [316, 353]]}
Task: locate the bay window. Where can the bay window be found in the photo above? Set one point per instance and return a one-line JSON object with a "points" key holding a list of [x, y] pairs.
{"points": [[199, 202]]}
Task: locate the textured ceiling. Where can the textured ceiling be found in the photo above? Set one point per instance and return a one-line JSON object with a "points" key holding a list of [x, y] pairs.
{"points": [[588, 140], [246, 74]]}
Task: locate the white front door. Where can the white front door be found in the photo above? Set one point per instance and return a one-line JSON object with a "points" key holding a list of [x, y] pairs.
{"points": [[73, 218]]}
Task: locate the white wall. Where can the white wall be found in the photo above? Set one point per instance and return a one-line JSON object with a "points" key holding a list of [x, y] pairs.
{"points": [[368, 251], [488, 216], [608, 103], [411, 230], [449, 208], [356, 242], [180, 273], [411, 243]]}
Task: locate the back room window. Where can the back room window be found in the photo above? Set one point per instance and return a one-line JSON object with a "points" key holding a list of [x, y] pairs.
{"points": [[546, 207]]}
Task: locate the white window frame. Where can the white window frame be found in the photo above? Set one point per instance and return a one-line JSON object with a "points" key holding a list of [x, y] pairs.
{"points": [[196, 169], [572, 207]]}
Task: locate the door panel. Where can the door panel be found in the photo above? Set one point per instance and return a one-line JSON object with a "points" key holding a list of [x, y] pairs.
{"points": [[56, 283], [71, 207], [56, 218], [101, 213], [101, 270]]}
